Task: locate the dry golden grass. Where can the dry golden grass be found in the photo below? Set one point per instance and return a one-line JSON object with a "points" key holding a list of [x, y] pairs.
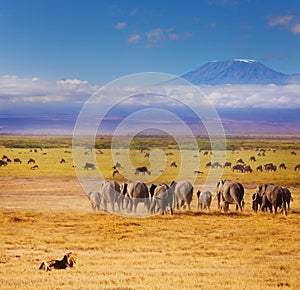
{"points": [[190, 250], [45, 214]]}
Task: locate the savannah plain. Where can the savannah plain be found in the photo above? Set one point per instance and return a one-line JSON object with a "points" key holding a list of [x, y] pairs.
{"points": [[45, 213]]}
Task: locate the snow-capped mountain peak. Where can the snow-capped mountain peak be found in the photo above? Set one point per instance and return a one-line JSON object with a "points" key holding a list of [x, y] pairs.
{"points": [[246, 60], [237, 71]]}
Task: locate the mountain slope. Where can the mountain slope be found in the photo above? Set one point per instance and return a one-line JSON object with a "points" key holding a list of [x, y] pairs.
{"points": [[238, 71]]}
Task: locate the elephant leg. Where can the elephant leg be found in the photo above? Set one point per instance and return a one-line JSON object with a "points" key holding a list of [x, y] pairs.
{"points": [[130, 203], [226, 207], [264, 204], [135, 203], [219, 201], [189, 205], [152, 207], [147, 204], [112, 205], [105, 205]]}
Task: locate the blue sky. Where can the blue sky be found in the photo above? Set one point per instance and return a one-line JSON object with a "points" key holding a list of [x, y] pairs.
{"points": [[98, 41], [54, 54]]}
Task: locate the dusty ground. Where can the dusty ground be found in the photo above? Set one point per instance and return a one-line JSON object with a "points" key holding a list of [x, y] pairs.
{"points": [[43, 218]]}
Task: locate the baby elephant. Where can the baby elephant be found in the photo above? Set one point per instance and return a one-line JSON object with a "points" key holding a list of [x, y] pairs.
{"points": [[204, 199]]}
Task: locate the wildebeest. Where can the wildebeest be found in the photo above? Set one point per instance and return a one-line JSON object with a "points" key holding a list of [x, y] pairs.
{"points": [[270, 167], [204, 199], [208, 164], [31, 160], [142, 149], [240, 160], [183, 193], [227, 164], [259, 168], [238, 168], [88, 166], [3, 163], [247, 168], [34, 167], [142, 169], [216, 164], [252, 158], [117, 165], [17, 160], [282, 166], [173, 164], [115, 172], [293, 153], [297, 167], [62, 161]]}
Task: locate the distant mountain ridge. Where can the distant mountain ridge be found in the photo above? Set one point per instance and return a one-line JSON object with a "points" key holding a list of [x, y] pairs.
{"points": [[238, 71]]}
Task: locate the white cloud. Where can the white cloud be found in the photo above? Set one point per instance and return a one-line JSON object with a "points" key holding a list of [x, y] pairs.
{"points": [[134, 38], [158, 34], [280, 20], [289, 22], [120, 25], [254, 96], [19, 90], [16, 90], [175, 36], [296, 28]]}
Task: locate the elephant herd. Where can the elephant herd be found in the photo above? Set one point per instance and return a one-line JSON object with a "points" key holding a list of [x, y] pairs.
{"points": [[156, 199], [179, 194]]}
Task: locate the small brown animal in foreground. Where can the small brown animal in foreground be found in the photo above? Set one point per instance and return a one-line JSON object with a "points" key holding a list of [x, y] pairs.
{"points": [[69, 261]]}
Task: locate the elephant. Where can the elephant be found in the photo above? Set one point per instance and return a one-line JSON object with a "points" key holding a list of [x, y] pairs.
{"points": [[257, 200], [183, 192], [161, 197], [274, 194], [110, 192], [287, 197], [204, 199], [135, 193], [229, 192], [95, 199]]}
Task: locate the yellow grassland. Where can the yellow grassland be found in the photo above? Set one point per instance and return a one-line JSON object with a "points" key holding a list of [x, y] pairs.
{"points": [[44, 213]]}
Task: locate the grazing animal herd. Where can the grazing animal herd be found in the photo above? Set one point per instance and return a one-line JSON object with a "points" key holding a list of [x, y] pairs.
{"points": [[179, 194], [162, 197]]}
